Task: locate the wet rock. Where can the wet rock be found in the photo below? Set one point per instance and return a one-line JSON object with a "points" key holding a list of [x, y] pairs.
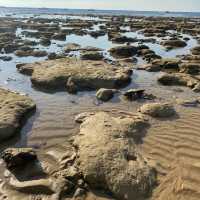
{"points": [[196, 88], [29, 43], [151, 57], [187, 102], [150, 67], [22, 68], [134, 94], [22, 53], [14, 107], [6, 58], [190, 68], [25, 48], [45, 42], [79, 193], [130, 60], [53, 56], [158, 110], [123, 51], [97, 34], [191, 58], [70, 73], [105, 94], [174, 43], [178, 79], [167, 63], [71, 173], [90, 48], [144, 51], [59, 36], [72, 47], [137, 94], [82, 117], [18, 157], [71, 86], [108, 157], [91, 55], [10, 48], [196, 50], [39, 53], [123, 39]]}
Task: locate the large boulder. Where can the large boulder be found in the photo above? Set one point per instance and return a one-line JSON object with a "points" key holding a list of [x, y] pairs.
{"points": [[75, 75], [158, 110], [14, 108], [123, 51], [108, 156]]}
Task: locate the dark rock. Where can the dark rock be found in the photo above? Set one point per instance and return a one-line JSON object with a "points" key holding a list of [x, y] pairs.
{"points": [[18, 157]]}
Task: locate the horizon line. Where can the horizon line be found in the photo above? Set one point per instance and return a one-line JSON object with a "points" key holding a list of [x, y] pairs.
{"points": [[101, 9]]}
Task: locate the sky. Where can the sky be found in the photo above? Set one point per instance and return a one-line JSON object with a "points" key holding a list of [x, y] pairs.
{"points": [[158, 5]]}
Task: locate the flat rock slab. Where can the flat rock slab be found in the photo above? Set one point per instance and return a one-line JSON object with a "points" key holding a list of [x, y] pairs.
{"points": [[68, 73], [179, 79], [13, 108], [108, 157]]}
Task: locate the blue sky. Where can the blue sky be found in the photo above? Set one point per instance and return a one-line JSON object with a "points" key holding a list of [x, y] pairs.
{"points": [[164, 5]]}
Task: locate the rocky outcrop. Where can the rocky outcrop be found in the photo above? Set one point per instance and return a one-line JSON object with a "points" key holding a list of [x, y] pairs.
{"points": [[108, 156], [74, 75], [14, 108]]}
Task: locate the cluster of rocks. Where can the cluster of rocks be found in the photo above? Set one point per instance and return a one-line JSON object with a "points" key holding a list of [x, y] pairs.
{"points": [[104, 155], [128, 51]]}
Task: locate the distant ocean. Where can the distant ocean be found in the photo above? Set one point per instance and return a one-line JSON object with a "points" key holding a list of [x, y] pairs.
{"points": [[23, 11]]}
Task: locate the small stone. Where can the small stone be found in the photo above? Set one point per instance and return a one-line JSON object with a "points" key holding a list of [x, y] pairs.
{"points": [[158, 110], [134, 94], [105, 94]]}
